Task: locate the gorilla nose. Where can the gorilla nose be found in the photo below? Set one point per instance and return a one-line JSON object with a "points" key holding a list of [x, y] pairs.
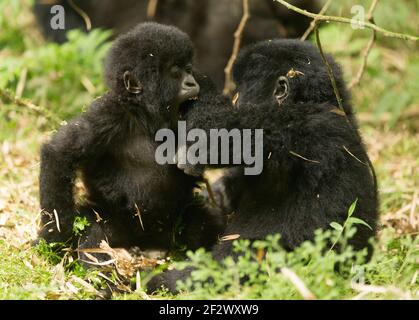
{"points": [[190, 88], [190, 83]]}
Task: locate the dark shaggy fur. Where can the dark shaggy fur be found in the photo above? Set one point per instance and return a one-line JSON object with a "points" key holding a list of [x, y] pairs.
{"points": [[131, 200], [315, 163], [210, 23]]}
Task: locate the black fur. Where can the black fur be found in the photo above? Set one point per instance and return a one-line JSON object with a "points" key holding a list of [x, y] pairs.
{"points": [[210, 23], [113, 147], [293, 196]]}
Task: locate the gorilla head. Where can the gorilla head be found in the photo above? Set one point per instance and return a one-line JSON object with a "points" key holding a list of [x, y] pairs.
{"points": [[296, 74], [152, 66]]}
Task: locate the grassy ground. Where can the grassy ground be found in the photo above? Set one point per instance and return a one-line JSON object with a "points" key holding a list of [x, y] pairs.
{"points": [[60, 82]]}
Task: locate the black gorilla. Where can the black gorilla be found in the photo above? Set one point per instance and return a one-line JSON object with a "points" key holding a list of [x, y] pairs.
{"points": [[131, 199], [315, 164], [210, 23]]}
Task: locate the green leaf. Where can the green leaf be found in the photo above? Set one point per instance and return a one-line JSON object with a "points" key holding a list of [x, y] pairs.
{"points": [[352, 208], [354, 220], [336, 226], [79, 225]]}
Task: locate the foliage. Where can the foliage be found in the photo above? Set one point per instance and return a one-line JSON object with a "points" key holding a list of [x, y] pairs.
{"points": [[18, 277], [257, 272], [63, 78], [389, 70], [13, 35], [315, 266], [79, 225]]}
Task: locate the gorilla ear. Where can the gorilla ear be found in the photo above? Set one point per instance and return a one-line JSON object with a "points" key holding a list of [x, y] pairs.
{"points": [[281, 89], [129, 82]]}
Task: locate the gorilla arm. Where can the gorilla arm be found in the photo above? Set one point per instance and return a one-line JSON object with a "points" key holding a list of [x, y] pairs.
{"points": [[60, 158], [220, 114], [81, 140]]}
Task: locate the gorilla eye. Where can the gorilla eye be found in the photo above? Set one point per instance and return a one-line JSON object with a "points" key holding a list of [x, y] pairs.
{"points": [[188, 68], [281, 89], [175, 72]]}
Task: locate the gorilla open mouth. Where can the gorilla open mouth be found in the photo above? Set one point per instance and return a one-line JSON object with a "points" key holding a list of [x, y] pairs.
{"points": [[189, 92], [185, 107]]}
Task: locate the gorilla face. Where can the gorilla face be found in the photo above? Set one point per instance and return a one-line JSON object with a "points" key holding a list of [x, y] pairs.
{"points": [[188, 88], [175, 86], [258, 85], [183, 86], [151, 66]]}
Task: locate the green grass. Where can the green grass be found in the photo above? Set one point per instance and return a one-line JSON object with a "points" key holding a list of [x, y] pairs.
{"points": [[395, 263], [22, 275], [63, 80]]}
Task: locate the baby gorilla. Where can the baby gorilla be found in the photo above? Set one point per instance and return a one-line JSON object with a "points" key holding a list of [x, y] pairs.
{"points": [[315, 164], [131, 199]]}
